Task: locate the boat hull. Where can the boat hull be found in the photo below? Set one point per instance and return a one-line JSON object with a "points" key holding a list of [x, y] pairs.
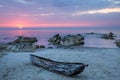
{"points": [[64, 68]]}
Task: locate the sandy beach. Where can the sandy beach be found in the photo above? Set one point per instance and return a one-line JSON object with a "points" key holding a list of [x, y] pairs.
{"points": [[103, 64]]}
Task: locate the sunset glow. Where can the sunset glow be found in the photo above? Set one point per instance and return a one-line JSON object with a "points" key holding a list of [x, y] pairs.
{"points": [[20, 26], [69, 13]]}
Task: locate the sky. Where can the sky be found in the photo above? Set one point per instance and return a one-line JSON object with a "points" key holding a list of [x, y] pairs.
{"points": [[45, 13]]}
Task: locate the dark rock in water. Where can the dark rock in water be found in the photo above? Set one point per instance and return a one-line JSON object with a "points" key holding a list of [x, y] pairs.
{"points": [[37, 46], [49, 47], [56, 39], [22, 44], [42, 46], [73, 40], [92, 33], [22, 39], [68, 40], [3, 46], [117, 43], [109, 36]]}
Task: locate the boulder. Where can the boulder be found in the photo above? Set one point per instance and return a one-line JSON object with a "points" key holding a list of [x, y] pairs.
{"points": [[68, 40], [117, 43], [22, 44], [56, 39], [3, 46], [37, 46], [109, 36], [49, 47], [68, 43], [73, 40], [42, 46]]}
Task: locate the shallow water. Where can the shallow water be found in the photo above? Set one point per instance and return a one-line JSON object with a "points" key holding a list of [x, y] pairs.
{"points": [[91, 40]]}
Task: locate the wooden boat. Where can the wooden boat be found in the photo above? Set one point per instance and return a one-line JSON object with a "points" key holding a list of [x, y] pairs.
{"points": [[64, 68]]}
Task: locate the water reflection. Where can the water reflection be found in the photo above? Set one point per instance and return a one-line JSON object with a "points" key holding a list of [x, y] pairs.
{"points": [[99, 42], [20, 32], [44, 35]]}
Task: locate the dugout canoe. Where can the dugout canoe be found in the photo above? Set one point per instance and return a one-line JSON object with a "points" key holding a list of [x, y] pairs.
{"points": [[64, 68]]}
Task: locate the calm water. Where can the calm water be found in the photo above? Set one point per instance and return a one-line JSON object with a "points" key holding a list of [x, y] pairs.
{"points": [[44, 35]]}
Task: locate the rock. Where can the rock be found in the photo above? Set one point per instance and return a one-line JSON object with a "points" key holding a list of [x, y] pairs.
{"points": [[109, 36], [3, 46], [41, 46], [68, 43], [117, 43], [37, 46], [79, 39], [22, 39], [68, 40], [56, 39], [49, 47], [22, 44], [73, 40], [92, 33], [21, 47]]}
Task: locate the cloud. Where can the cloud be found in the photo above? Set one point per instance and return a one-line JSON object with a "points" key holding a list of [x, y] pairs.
{"points": [[40, 8], [23, 1], [100, 11], [1, 6], [44, 14], [115, 1], [72, 5]]}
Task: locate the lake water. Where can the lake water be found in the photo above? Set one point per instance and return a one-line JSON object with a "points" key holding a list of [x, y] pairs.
{"points": [[91, 40]]}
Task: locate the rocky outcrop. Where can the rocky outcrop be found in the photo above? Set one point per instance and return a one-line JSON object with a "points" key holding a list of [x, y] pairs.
{"points": [[22, 39], [39, 46], [22, 44], [109, 36], [56, 39], [21, 47], [68, 40], [42, 46], [3, 46], [117, 43], [73, 40], [49, 47]]}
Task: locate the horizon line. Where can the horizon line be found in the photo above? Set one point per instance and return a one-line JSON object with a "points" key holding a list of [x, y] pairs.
{"points": [[61, 28]]}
